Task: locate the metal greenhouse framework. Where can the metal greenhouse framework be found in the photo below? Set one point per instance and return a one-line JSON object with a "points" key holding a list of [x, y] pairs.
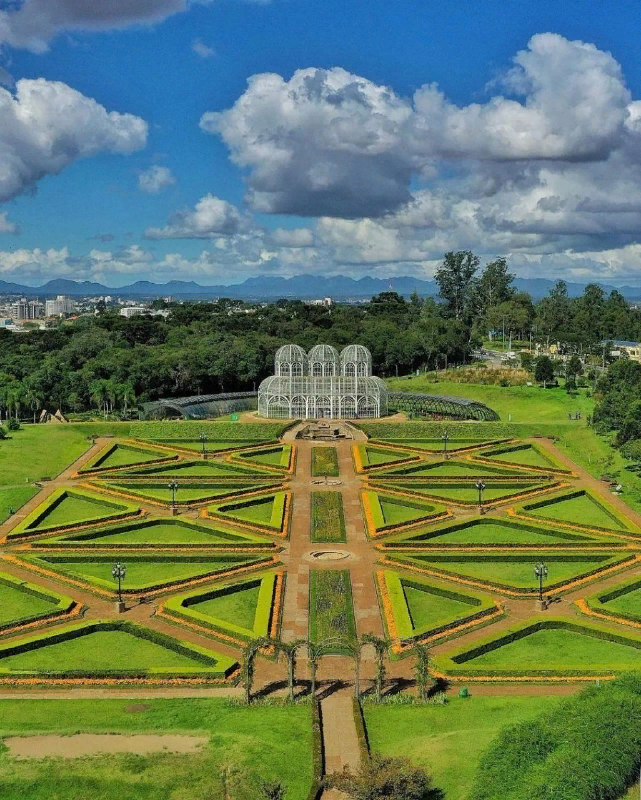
{"points": [[322, 384], [441, 405], [202, 406]]}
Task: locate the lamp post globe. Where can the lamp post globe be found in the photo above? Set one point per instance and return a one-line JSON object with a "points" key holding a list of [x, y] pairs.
{"points": [[118, 574], [480, 487], [173, 487], [541, 572]]}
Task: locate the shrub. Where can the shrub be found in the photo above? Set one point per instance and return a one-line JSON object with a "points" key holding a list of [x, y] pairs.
{"points": [[3, 433], [13, 425], [385, 777]]}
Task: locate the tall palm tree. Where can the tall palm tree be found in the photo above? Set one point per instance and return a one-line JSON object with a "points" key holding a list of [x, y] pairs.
{"points": [[33, 398], [381, 646]]}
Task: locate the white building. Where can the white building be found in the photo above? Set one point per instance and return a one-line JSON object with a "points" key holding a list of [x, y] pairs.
{"points": [[134, 311], [61, 305]]}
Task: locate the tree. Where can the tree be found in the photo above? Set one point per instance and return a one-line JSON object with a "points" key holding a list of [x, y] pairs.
{"points": [[421, 669], [493, 287], [33, 398], [380, 777], [381, 647], [553, 312], [544, 370], [455, 281]]}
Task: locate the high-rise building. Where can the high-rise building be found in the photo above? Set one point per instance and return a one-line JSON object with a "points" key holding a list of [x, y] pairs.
{"points": [[61, 305]]}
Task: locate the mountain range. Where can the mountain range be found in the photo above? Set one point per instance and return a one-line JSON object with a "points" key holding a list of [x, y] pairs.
{"points": [[264, 287]]}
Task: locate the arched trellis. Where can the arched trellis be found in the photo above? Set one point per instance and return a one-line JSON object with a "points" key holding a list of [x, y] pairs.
{"points": [[202, 406], [442, 405]]}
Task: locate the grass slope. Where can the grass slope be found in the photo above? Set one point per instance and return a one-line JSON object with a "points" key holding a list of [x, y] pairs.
{"points": [[38, 451], [237, 607], [15, 604], [14, 498]]}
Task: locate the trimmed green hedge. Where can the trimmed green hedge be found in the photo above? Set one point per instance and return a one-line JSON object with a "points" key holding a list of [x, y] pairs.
{"points": [[30, 525], [460, 430], [610, 511], [284, 461], [276, 522], [94, 465], [191, 429], [318, 757], [214, 665], [456, 663], [63, 605], [597, 601], [497, 451], [484, 471], [178, 607], [381, 525]]}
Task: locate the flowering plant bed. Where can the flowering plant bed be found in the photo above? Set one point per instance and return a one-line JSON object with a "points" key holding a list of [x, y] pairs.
{"points": [[325, 462], [327, 518], [331, 610]]}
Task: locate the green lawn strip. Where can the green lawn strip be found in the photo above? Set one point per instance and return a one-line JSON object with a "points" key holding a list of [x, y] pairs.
{"points": [[248, 745], [159, 532], [375, 456], [22, 602], [213, 446], [116, 455], [266, 511], [467, 493], [423, 607], [197, 469], [325, 462], [331, 610], [554, 646], [449, 740], [40, 451], [187, 492], [497, 532], [437, 445], [242, 609], [623, 600], [14, 498], [221, 430], [515, 571], [68, 508], [107, 648], [390, 511], [581, 508], [528, 455], [454, 469], [275, 457], [144, 572], [328, 519]]}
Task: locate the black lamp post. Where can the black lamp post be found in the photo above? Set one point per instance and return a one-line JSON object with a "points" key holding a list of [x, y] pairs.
{"points": [[541, 572], [203, 440], [118, 574], [480, 486], [174, 488], [446, 436]]}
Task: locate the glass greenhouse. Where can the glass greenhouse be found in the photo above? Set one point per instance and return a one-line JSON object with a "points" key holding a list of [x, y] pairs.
{"points": [[322, 384]]}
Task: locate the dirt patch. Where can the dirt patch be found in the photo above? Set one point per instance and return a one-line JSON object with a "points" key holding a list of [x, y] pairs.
{"points": [[89, 744], [137, 708]]}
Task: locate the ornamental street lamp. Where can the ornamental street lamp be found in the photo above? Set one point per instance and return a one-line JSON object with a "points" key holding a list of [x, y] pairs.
{"points": [[480, 486], [203, 440], [174, 488], [445, 438], [541, 572], [118, 574]]}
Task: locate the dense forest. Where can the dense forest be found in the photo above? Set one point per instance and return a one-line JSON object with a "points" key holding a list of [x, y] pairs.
{"points": [[108, 361]]}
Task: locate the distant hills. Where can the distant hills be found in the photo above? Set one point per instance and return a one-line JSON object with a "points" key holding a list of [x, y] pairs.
{"points": [[264, 287]]}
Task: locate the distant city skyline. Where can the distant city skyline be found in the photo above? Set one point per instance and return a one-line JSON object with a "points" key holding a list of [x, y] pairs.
{"points": [[219, 141]]}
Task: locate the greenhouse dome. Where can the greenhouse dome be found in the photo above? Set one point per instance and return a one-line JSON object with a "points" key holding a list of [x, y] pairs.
{"points": [[323, 361], [290, 360]]}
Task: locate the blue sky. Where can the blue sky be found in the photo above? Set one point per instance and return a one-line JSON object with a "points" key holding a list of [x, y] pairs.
{"points": [[215, 141]]}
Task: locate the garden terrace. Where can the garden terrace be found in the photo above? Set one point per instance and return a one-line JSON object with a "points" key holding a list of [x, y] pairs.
{"points": [[466, 493], [215, 446], [145, 573], [193, 493], [385, 512], [242, 610], [512, 573], [71, 508], [118, 456], [522, 455], [160, 533], [109, 649], [554, 647]]}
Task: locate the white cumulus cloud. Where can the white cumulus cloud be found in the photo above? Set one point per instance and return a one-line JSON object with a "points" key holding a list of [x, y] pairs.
{"points": [[201, 49], [46, 125], [155, 179], [211, 217], [6, 226]]}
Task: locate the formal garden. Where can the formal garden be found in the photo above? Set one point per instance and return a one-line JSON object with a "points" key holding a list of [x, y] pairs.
{"points": [[494, 560]]}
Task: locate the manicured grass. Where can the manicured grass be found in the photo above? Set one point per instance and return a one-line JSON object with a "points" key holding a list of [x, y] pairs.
{"points": [[272, 458], [210, 446], [215, 430], [74, 508], [398, 513], [325, 462], [515, 571], [15, 498], [237, 607], [449, 740], [16, 604], [328, 520], [628, 603], [523, 403], [527, 456], [428, 609], [557, 648], [123, 456], [257, 511], [38, 451], [452, 469], [198, 469], [495, 533], [582, 509], [141, 573], [185, 493], [468, 493], [331, 611], [160, 533], [379, 455], [436, 445], [247, 744], [102, 650]]}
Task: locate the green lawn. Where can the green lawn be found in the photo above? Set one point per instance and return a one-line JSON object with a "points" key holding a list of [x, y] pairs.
{"points": [[256, 511], [582, 509], [488, 533], [328, 520], [528, 456], [15, 604], [397, 513], [237, 607], [160, 533], [210, 447], [102, 650], [557, 648], [436, 445], [378, 455], [468, 493], [628, 603], [325, 462], [14, 498], [198, 469], [452, 469], [271, 457], [267, 743], [449, 740], [123, 456], [517, 571], [429, 609], [74, 508], [141, 573], [184, 494], [522, 403], [38, 451], [218, 429], [331, 611]]}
